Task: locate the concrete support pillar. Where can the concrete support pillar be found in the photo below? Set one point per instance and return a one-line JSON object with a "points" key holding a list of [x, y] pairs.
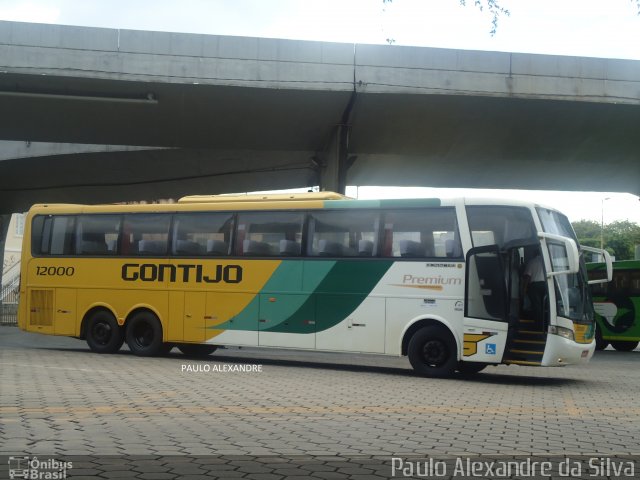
{"points": [[4, 229], [336, 161]]}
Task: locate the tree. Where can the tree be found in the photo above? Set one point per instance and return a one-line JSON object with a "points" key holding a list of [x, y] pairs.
{"points": [[588, 232], [495, 9], [492, 6], [620, 237]]}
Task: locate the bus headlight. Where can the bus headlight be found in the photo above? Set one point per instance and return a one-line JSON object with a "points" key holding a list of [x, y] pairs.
{"points": [[562, 332]]}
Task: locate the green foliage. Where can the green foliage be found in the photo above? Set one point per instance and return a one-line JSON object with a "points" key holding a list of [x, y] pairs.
{"points": [[493, 8], [586, 229], [620, 237], [588, 233]]}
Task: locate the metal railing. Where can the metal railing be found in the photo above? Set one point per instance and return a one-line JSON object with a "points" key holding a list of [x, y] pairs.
{"points": [[10, 296], [10, 270]]}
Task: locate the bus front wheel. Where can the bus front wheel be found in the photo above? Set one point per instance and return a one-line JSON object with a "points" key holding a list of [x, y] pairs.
{"points": [[103, 333], [432, 352], [601, 343], [144, 334], [471, 368], [624, 345]]}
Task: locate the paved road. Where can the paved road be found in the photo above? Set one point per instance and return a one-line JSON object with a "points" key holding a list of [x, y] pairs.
{"points": [[336, 415]]}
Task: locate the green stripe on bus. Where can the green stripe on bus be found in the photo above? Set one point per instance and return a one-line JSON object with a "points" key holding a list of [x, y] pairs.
{"points": [[247, 319], [298, 276], [341, 291], [295, 279], [337, 289]]}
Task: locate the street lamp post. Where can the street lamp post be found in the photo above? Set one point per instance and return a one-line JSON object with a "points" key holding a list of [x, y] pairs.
{"points": [[602, 222]]}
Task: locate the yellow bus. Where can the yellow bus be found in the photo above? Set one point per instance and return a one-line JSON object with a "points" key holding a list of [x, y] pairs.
{"points": [[436, 280]]}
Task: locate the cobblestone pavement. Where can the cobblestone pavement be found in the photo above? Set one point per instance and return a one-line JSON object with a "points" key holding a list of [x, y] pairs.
{"points": [[304, 415]]}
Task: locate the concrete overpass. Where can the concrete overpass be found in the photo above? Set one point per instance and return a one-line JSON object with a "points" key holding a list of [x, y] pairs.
{"points": [[95, 115]]}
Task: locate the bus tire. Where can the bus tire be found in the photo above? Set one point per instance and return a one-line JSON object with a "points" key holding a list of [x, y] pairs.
{"points": [[471, 368], [197, 349], [601, 343], [432, 352], [144, 334], [624, 345], [103, 333]]}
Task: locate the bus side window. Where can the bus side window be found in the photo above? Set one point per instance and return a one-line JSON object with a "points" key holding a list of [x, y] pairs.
{"points": [[269, 234], [40, 234], [343, 234], [635, 283], [55, 236], [498, 225], [146, 234], [196, 234], [430, 233], [622, 281], [600, 289], [97, 234]]}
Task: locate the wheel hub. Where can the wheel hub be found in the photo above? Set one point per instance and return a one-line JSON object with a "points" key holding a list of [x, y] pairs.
{"points": [[102, 333], [434, 352], [144, 335]]}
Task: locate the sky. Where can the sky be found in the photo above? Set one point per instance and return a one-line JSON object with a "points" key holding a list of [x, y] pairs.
{"points": [[590, 28]]}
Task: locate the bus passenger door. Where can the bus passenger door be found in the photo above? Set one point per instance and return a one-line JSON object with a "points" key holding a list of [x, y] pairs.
{"points": [[485, 312]]}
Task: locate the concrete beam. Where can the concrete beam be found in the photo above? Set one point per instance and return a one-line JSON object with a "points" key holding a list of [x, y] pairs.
{"points": [[131, 55], [162, 57], [233, 114], [137, 174], [13, 150], [433, 71]]}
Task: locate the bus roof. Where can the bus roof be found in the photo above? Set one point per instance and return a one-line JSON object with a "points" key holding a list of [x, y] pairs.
{"points": [[257, 197], [278, 201]]}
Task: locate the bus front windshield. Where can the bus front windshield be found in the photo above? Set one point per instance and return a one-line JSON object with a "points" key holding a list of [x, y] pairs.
{"points": [[573, 299]]}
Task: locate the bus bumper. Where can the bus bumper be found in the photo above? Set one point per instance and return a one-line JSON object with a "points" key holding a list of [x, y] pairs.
{"points": [[560, 351]]}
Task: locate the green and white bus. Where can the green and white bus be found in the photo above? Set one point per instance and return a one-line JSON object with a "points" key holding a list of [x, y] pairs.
{"points": [[617, 306], [436, 280]]}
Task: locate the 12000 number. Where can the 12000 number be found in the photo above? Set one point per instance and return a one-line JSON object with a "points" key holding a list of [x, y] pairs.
{"points": [[55, 271]]}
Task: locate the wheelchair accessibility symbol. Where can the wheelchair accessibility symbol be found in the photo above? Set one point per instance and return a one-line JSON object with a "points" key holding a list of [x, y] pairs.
{"points": [[490, 349]]}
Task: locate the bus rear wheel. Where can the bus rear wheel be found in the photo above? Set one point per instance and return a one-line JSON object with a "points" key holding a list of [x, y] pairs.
{"points": [[624, 345], [432, 352], [197, 350], [103, 333], [144, 335]]}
